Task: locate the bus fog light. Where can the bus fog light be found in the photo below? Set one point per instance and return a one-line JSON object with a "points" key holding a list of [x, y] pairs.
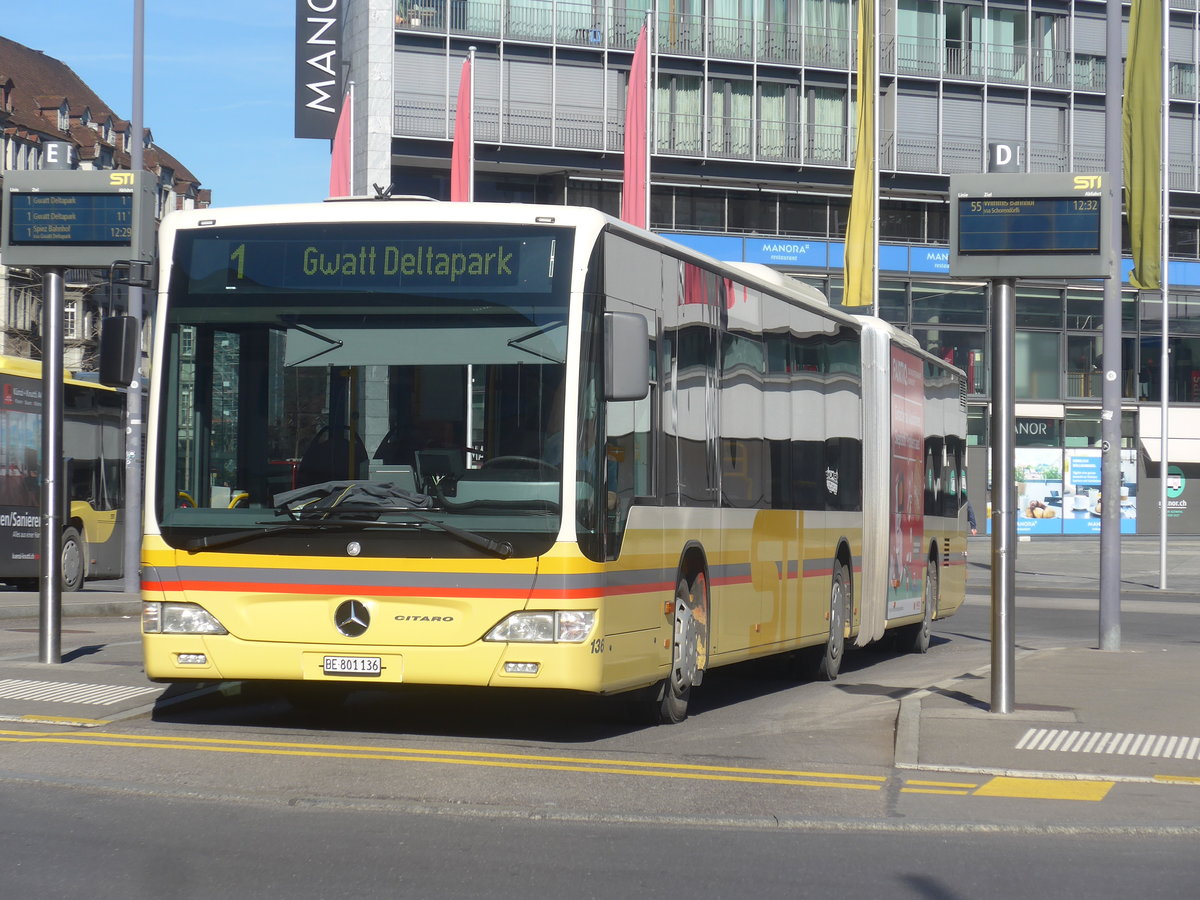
{"points": [[192, 659], [188, 618], [564, 626], [516, 668]]}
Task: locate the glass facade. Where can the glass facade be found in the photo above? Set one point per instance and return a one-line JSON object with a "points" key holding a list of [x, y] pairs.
{"points": [[753, 111]]}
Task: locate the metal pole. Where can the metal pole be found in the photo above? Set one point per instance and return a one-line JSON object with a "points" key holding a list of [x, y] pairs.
{"points": [[134, 426], [1164, 245], [1110, 414], [1004, 500], [53, 488]]}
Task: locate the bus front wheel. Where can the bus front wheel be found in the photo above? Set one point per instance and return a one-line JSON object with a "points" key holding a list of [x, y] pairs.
{"points": [[74, 564], [830, 662], [669, 698]]}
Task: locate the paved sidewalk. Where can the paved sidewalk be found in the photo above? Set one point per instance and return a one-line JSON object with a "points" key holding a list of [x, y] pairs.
{"points": [[1079, 712]]}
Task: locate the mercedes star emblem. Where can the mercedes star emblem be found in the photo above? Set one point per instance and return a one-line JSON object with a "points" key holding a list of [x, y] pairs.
{"points": [[352, 618]]}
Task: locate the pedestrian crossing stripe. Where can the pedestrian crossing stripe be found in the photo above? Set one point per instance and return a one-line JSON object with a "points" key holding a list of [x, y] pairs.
{"points": [[1116, 743], [69, 692]]}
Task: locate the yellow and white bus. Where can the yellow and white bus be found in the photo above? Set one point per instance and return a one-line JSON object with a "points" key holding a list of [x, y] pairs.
{"points": [[403, 441], [94, 473]]}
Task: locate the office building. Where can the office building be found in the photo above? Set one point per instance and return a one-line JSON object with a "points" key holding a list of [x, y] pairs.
{"points": [[752, 158]]}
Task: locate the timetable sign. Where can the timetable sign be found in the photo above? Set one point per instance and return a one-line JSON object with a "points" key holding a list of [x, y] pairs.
{"points": [[77, 219], [1038, 225]]}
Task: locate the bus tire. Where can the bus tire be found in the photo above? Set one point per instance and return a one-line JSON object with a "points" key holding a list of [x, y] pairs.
{"points": [[675, 691], [915, 638], [74, 561], [830, 662]]}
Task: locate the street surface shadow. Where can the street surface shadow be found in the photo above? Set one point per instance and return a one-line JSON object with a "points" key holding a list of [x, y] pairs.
{"points": [[491, 713]]}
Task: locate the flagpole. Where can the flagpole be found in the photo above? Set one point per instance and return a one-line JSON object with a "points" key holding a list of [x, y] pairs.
{"points": [[350, 95], [1165, 349], [875, 52], [471, 128], [649, 104]]}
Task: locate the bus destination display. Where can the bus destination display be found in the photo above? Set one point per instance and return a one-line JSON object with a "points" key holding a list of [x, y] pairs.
{"points": [[1029, 225], [505, 262], [71, 219]]}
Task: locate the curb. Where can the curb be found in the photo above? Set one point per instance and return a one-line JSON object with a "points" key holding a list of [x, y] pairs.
{"points": [[77, 609]]}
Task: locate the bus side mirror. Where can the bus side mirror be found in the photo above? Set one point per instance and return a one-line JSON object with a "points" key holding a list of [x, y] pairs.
{"points": [[119, 351], [626, 356]]}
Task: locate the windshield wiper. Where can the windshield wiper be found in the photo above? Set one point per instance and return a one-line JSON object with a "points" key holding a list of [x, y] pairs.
{"points": [[226, 538], [329, 501]]}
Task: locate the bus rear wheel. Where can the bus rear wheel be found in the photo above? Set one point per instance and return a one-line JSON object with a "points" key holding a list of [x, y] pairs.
{"points": [[915, 638], [74, 565]]}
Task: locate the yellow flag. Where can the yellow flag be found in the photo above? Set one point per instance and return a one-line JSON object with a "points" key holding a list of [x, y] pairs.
{"points": [[860, 228], [1141, 125]]}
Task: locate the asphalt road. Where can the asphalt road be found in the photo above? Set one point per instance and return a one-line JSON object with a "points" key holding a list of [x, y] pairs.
{"points": [[65, 841], [775, 786]]}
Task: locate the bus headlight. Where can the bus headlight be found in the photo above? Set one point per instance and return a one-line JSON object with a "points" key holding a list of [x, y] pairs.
{"points": [[179, 618], [566, 626]]}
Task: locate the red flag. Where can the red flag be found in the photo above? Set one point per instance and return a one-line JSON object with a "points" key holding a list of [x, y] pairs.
{"points": [[462, 154], [339, 164], [636, 188]]}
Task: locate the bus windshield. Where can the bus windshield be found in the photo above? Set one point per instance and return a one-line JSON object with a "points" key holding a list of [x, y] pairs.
{"points": [[397, 382]]}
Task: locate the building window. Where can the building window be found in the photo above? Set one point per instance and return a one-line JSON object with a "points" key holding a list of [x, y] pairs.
{"points": [[70, 322], [778, 122], [753, 212], [901, 220], [969, 350], [803, 215], [949, 303], [697, 209], [1038, 365], [679, 114], [730, 118]]}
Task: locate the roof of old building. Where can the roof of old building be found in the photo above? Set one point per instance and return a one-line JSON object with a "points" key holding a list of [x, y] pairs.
{"points": [[41, 85]]}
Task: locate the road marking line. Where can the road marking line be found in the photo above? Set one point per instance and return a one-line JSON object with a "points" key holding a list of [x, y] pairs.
{"points": [[1177, 779], [1045, 789], [942, 791], [946, 784], [467, 758]]}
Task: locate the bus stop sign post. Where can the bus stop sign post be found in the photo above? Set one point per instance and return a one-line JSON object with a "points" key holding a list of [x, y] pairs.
{"points": [[1007, 224], [53, 489], [54, 220]]}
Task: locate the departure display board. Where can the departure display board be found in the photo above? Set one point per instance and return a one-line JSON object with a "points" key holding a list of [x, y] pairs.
{"points": [[83, 219], [78, 219], [1032, 225], [1007, 225]]}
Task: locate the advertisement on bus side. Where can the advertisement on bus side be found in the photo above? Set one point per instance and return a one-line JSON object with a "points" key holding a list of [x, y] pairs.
{"points": [[906, 561]]}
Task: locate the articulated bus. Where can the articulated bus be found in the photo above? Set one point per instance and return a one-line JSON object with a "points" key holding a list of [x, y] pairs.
{"points": [[410, 442], [94, 475]]}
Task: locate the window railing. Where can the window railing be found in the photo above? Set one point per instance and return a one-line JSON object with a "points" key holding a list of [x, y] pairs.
{"points": [[1183, 81], [585, 25]]}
